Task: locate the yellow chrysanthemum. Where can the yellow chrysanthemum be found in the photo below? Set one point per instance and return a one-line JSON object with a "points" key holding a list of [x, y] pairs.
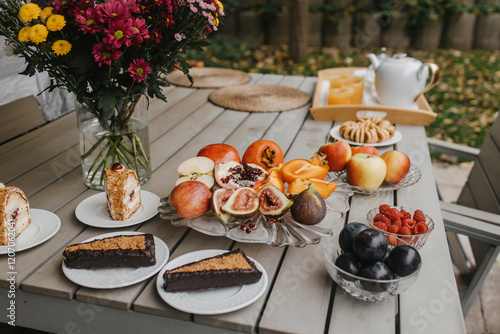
{"points": [[24, 34], [220, 5], [29, 11], [216, 22], [46, 12], [38, 33], [55, 22], [61, 47]]}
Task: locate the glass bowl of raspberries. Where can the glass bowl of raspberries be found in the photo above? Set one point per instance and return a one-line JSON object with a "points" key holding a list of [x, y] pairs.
{"points": [[410, 225]]}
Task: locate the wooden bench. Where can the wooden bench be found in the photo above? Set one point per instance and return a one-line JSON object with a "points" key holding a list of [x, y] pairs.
{"points": [[476, 213], [18, 117]]}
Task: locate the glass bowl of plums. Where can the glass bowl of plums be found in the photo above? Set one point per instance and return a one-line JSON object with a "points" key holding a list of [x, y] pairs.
{"points": [[370, 266]]}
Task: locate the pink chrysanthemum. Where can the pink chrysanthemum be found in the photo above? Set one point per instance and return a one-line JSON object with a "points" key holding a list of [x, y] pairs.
{"points": [[89, 21], [120, 32], [104, 54], [140, 30], [139, 69]]}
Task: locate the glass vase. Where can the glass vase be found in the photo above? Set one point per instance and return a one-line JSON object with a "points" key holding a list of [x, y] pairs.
{"points": [[120, 138]]}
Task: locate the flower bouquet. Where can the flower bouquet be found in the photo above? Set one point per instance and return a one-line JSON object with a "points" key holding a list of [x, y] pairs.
{"points": [[112, 55]]}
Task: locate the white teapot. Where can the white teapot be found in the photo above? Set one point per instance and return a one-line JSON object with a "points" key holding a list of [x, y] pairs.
{"points": [[400, 80]]}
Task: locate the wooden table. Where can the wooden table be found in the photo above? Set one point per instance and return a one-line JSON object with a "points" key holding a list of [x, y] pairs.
{"points": [[300, 297]]}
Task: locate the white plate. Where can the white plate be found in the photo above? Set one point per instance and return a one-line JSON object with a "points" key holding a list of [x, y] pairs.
{"points": [[117, 277], [44, 224], [93, 211], [334, 132], [213, 301]]}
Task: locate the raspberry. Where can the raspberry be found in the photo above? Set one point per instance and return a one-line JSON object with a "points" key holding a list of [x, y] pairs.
{"points": [[421, 227], [392, 214], [418, 216], [397, 222], [380, 225], [381, 218], [383, 208], [405, 230], [404, 215], [393, 229], [410, 223]]}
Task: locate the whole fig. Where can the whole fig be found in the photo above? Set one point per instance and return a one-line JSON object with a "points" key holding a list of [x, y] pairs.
{"points": [[308, 207]]}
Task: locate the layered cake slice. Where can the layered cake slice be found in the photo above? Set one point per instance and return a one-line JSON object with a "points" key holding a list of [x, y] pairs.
{"points": [[123, 192], [14, 212], [114, 252], [225, 270]]}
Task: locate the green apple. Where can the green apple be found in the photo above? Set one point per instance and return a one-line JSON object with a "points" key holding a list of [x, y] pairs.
{"points": [[366, 170]]}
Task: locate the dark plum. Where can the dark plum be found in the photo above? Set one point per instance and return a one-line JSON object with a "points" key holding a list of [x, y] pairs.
{"points": [[348, 233], [375, 271], [370, 245], [403, 260], [348, 262]]}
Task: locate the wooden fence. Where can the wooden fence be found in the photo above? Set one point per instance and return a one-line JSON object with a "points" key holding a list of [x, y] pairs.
{"points": [[397, 24]]}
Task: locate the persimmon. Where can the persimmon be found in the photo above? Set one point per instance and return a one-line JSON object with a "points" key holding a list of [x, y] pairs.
{"points": [[304, 169], [264, 153], [325, 188], [274, 178]]}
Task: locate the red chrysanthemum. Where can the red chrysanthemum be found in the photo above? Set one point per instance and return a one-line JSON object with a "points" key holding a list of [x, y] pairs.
{"points": [[105, 54], [89, 21], [120, 32], [139, 69], [156, 34], [140, 30], [113, 10]]}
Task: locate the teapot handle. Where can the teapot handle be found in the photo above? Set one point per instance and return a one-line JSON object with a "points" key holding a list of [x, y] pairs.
{"points": [[434, 78]]}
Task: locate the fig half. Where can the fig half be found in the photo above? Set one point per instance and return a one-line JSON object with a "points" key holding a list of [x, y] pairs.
{"points": [[309, 207], [219, 198], [272, 202], [243, 203]]}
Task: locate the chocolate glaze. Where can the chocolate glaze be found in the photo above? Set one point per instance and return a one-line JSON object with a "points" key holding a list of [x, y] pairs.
{"points": [[114, 258], [211, 279]]}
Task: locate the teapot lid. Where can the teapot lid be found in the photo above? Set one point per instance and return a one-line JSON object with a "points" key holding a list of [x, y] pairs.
{"points": [[400, 58]]}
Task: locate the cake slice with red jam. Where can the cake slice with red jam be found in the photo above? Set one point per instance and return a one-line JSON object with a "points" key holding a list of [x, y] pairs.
{"points": [[224, 270], [123, 192], [14, 213]]}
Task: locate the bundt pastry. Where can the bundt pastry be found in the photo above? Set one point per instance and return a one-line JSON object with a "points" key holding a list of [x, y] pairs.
{"points": [[14, 213], [367, 130]]}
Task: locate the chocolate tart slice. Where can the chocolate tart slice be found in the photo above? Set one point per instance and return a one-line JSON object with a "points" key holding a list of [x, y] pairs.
{"points": [[114, 252], [224, 270]]}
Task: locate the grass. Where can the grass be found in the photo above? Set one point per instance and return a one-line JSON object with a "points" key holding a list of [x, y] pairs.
{"points": [[465, 97]]}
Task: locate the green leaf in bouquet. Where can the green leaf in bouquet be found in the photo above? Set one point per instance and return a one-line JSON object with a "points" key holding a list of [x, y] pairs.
{"points": [[109, 100]]}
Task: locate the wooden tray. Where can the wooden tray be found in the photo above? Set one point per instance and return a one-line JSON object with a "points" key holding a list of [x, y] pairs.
{"points": [[347, 112]]}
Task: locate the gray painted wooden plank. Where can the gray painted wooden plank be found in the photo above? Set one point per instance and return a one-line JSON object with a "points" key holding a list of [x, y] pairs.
{"points": [[482, 190], [489, 160], [431, 304], [37, 146]]}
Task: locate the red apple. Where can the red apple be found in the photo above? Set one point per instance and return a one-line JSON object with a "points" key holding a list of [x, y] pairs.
{"points": [[220, 153], [191, 199], [364, 149], [337, 155], [366, 170], [397, 163]]}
